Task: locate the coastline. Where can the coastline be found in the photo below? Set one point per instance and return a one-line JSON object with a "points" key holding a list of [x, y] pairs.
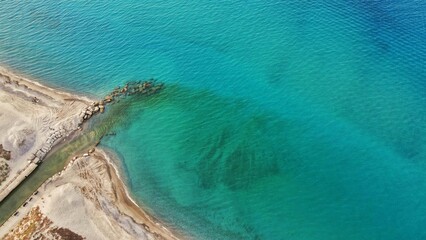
{"points": [[129, 206], [63, 108], [33, 118], [38, 86]]}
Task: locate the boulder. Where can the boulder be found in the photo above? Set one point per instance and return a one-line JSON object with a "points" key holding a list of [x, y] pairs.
{"points": [[39, 154], [108, 99]]}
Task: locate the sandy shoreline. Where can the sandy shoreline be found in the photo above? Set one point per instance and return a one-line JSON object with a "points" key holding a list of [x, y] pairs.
{"points": [[94, 204], [35, 118], [129, 206]]}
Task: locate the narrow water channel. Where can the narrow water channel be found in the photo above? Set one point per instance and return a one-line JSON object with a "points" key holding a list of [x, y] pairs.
{"points": [[60, 155]]}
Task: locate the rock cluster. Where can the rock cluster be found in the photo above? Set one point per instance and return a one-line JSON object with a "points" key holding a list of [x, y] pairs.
{"points": [[92, 110], [131, 88], [4, 166], [4, 153], [51, 140], [4, 171], [140, 87]]}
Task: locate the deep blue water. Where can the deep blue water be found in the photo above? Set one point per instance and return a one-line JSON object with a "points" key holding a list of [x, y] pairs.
{"points": [[280, 120]]}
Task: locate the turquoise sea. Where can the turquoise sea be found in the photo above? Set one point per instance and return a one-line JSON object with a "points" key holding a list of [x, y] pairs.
{"points": [[287, 119]]}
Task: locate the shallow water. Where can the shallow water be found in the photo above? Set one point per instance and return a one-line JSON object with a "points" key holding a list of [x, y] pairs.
{"points": [[280, 120]]}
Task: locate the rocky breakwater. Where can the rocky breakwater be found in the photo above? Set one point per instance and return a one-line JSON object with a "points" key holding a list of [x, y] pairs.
{"points": [[54, 136], [132, 88], [145, 88]]}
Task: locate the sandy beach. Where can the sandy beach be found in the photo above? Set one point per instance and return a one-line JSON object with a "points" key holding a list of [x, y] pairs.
{"points": [[33, 119], [94, 204], [87, 200]]}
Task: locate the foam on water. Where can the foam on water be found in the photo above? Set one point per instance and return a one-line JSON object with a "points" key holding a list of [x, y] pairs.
{"points": [[281, 120]]}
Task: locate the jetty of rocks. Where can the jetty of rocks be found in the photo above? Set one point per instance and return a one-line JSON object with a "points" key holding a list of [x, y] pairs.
{"points": [[132, 88], [145, 88]]}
